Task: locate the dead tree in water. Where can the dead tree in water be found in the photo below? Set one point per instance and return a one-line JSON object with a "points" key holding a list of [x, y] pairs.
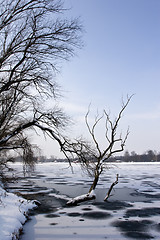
{"points": [[91, 156]]}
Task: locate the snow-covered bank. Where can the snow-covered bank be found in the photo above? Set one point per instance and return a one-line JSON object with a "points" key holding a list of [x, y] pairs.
{"points": [[13, 214]]}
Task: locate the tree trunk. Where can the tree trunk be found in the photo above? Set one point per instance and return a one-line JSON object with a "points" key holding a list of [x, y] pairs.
{"points": [[89, 196], [94, 184], [82, 198]]}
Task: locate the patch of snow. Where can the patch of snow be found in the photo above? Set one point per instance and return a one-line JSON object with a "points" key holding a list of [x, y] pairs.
{"points": [[39, 192], [60, 196], [13, 214]]}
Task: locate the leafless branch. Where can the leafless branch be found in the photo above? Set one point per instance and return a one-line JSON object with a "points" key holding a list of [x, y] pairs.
{"points": [[110, 189], [33, 40]]}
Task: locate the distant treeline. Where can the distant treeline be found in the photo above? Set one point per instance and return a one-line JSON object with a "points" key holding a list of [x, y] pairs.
{"points": [[148, 156]]}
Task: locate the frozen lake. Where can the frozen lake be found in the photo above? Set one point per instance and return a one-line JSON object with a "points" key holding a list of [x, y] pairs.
{"points": [[132, 212]]}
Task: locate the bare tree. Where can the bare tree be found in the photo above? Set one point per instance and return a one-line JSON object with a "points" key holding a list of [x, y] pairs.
{"points": [[34, 38], [92, 156]]}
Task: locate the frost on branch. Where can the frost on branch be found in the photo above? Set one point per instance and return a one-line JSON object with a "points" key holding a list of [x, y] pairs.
{"points": [[81, 198]]}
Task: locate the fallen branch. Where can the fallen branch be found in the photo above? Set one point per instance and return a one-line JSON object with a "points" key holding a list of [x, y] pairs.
{"points": [[110, 189], [82, 198]]}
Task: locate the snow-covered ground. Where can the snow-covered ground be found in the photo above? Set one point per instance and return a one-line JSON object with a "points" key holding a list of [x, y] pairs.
{"points": [[13, 214]]}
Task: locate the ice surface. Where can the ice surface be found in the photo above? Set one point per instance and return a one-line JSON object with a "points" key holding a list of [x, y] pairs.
{"points": [[138, 190]]}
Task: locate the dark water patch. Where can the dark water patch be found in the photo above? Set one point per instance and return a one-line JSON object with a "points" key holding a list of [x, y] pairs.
{"points": [[40, 175], [37, 176], [145, 195], [19, 189], [72, 191], [158, 227], [53, 224], [96, 215], [35, 189], [135, 229], [151, 184], [27, 184], [54, 178], [48, 203], [52, 215], [75, 184], [143, 177], [44, 208], [30, 178], [138, 235], [125, 181], [87, 209], [60, 183], [74, 214], [81, 220], [123, 194], [144, 212], [62, 213], [112, 205], [148, 191]]}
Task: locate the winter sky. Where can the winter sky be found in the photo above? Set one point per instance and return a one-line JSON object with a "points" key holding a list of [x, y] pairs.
{"points": [[121, 55]]}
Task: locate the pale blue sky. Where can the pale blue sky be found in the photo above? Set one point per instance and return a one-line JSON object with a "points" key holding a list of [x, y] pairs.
{"points": [[121, 56]]}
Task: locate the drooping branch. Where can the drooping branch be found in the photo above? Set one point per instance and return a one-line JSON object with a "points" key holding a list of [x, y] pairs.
{"points": [[33, 41]]}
